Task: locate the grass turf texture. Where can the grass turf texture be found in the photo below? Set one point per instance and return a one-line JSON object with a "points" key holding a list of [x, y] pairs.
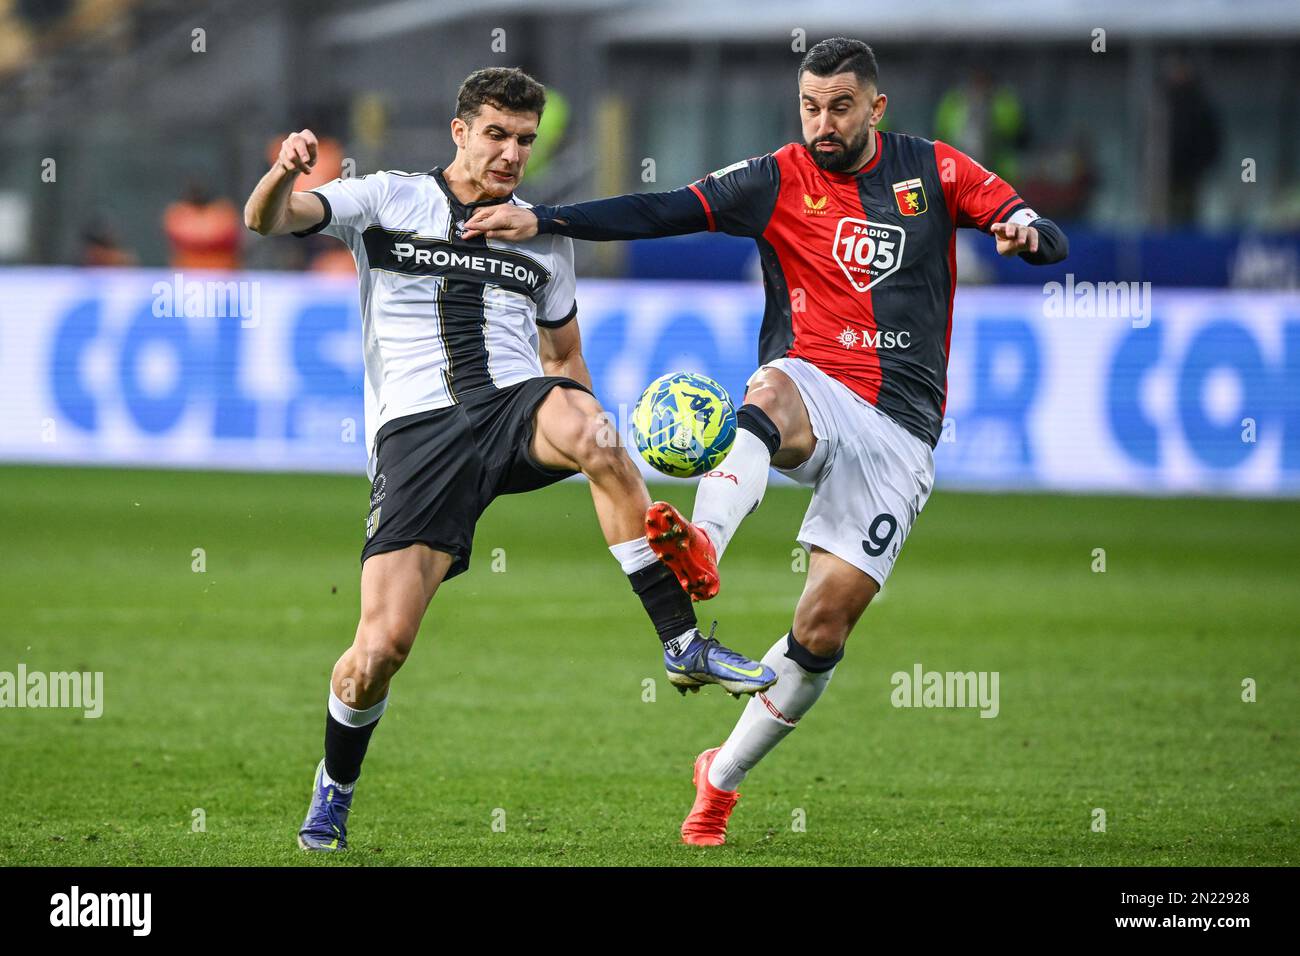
{"points": [[1119, 690]]}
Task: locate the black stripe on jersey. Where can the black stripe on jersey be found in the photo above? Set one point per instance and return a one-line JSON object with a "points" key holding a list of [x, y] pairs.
{"points": [[460, 260], [1004, 210], [573, 313], [464, 322], [1012, 211], [777, 332], [325, 220]]}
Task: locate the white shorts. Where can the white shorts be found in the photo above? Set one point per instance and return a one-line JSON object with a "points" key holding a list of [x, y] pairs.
{"points": [[870, 476]]}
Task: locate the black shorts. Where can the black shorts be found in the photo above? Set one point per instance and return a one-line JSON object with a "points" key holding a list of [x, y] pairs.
{"points": [[437, 471]]}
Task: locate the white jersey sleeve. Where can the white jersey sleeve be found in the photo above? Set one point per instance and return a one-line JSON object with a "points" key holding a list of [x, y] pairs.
{"points": [[558, 305], [350, 204]]}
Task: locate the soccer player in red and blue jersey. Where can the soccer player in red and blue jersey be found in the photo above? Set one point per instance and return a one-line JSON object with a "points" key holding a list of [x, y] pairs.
{"points": [[856, 233]]}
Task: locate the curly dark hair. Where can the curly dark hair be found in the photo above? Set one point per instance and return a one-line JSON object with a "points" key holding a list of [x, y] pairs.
{"points": [[505, 87]]}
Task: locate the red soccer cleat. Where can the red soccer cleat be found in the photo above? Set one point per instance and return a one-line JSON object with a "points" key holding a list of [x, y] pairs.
{"points": [[684, 548], [706, 824]]}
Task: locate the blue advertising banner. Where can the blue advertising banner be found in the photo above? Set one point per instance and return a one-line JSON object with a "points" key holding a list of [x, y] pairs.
{"points": [[1074, 385]]}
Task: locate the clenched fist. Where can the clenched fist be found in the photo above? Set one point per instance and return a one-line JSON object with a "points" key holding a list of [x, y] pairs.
{"points": [[298, 152]]}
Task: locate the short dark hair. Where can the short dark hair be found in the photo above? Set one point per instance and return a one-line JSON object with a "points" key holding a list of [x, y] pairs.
{"points": [[505, 87], [841, 55]]}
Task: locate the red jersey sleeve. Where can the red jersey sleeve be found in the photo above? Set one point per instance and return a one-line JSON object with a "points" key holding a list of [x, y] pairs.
{"points": [[975, 196]]}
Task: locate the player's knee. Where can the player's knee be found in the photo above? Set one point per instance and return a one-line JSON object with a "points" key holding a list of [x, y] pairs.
{"points": [[597, 450], [822, 638], [765, 395], [776, 395], [384, 642], [822, 630]]}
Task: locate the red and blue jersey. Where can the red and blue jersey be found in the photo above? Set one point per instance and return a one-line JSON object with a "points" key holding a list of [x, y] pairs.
{"points": [[859, 268]]}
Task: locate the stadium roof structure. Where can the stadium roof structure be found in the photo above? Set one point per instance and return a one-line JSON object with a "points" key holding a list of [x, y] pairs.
{"points": [[919, 21], [936, 20], [394, 17], [688, 21]]}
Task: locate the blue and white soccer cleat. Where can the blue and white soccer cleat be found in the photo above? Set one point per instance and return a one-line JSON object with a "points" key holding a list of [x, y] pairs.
{"points": [[705, 661], [326, 826]]}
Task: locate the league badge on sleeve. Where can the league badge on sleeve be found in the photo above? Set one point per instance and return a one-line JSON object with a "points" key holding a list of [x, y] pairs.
{"points": [[910, 196]]}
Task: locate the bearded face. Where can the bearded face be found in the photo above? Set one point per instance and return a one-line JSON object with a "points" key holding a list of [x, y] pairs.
{"points": [[846, 157]]}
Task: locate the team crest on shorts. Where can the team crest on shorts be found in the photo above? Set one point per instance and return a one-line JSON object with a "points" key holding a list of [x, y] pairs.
{"points": [[378, 493], [910, 196]]}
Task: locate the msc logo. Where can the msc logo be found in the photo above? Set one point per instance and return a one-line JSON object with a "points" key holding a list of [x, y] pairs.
{"points": [[879, 339], [868, 251], [814, 207]]}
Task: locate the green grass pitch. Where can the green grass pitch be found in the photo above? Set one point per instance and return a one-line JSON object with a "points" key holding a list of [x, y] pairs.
{"points": [[523, 700]]}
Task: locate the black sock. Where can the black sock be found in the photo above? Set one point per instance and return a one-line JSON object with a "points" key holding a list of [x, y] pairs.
{"points": [[345, 748], [754, 419], [806, 659], [667, 603]]}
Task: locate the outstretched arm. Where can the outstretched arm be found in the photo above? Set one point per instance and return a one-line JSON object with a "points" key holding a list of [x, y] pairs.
{"points": [[737, 199], [633, 216]]}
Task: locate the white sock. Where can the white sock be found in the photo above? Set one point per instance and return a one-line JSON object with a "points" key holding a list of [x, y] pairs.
{"points": [[350, 716], [723, 499], [768, 717], [331, 782], [682, 642], [634, 555]]}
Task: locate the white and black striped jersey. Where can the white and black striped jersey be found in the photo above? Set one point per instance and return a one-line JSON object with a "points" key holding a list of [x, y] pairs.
{"points": [[440, 315]]}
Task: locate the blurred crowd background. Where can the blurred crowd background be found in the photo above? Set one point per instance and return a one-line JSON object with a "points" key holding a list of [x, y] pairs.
{"points": [[1166, 137]]}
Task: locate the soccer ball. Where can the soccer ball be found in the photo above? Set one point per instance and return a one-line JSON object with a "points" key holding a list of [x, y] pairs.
{"points": [[684, 424]]}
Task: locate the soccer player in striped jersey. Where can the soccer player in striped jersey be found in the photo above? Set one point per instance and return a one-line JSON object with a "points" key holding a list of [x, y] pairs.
{"points": [[475, 387], [855, 230]]}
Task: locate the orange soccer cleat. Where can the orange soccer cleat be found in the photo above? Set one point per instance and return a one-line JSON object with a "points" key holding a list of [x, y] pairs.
{"points": [[706, 824], [685, 548]]}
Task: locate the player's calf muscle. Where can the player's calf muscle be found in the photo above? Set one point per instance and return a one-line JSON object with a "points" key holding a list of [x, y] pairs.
{"points": [[832, 603], [615, 482]]}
